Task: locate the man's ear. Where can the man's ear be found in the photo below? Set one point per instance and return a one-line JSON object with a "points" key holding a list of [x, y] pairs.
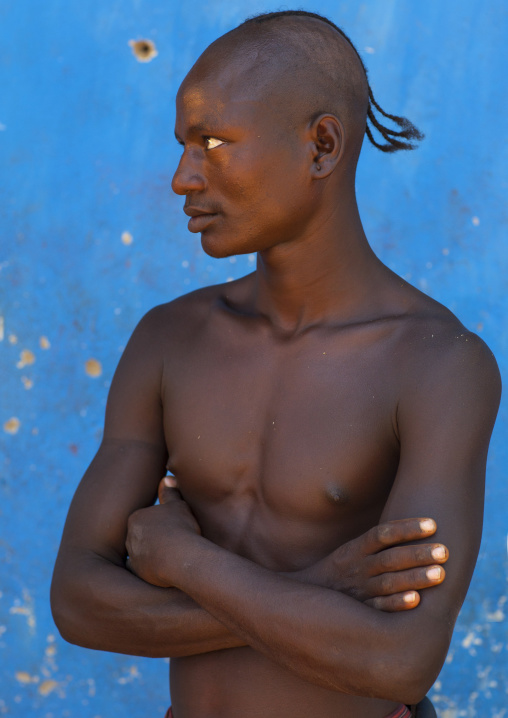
{"points": [[328, 139]]}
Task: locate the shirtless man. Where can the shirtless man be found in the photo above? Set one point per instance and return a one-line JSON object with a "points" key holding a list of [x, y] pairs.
{"points": [[305, 412]]}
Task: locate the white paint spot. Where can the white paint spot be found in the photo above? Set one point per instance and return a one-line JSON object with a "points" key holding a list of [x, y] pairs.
{"points": [[2, 327], [252, 257], [44, 343], [229, 279], [495, 616], [475, 221], [232, 260], [127, 238], [185, 264], [445, 251], [117, 311], [428, 265], [369, 50], [2, 127]]}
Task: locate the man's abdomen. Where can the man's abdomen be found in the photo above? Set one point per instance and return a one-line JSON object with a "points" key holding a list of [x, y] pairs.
{"points": [[242, 683]]}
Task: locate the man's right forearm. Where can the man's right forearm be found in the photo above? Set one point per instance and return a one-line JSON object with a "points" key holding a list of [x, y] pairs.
{"points": [[98, 604]]}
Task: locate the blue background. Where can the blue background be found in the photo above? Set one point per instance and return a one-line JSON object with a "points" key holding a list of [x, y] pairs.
{"points": [[86, 154]]}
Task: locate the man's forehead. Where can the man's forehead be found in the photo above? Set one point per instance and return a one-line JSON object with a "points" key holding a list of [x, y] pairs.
{"points": [[223, 96]]}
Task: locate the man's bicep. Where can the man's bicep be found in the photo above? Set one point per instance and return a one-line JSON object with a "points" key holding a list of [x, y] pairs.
{"points": [[131, 460], [445, 423]]}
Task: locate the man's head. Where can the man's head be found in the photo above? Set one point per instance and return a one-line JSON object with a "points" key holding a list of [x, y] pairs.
{"points": [[285, 99]]}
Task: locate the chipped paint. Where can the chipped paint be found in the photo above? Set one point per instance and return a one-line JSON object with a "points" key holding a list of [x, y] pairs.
{"points": [[12, 425], [127, 238], [27, 383], [25, 609], [143, 50], [12, 338], [26, 358], [25, 678], [47, 686], [44, 343], [93, 368]]}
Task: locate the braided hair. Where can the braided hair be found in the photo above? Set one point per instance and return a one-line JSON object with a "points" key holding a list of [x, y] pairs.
{"points": [[394, 140]]}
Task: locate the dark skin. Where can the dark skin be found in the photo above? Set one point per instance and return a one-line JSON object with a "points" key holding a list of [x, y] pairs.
{"points": [[305, 412]]}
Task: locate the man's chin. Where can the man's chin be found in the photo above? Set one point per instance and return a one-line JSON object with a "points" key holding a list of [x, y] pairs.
{"points": [[218, 247]]}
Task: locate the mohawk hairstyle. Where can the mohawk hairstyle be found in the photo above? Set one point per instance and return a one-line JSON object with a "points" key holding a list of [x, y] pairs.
{"points": [[394, 139]]}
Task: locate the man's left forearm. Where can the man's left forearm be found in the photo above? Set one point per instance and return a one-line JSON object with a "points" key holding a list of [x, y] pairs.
{"points": [[323, 636]]}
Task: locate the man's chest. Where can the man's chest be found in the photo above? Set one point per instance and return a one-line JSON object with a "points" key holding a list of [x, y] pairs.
{"points": [[305, 433]]}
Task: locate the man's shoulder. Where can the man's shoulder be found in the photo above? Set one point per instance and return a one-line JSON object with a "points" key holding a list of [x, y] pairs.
{"points": [[187, 311], [436, 349]]}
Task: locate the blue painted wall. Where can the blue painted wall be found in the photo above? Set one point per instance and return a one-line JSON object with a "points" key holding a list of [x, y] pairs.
{"points": [[86, 155]]}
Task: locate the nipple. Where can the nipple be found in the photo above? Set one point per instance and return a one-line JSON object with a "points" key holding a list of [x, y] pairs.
{"points": [[336, 494]]}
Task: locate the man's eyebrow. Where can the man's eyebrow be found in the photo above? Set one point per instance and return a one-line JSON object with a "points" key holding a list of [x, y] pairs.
{"points": [[199, 128]]}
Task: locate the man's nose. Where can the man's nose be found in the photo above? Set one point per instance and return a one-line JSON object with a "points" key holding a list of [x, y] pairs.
{"points": [[189, 175]]}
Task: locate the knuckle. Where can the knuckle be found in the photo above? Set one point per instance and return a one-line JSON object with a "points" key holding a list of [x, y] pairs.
{"points": [[386, 584], [382, 533], [385, 559]]}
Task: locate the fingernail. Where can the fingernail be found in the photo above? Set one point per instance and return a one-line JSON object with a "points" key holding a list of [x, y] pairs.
{"points": [[427, 525], [434, 573], [438, 552], [170, 481], [410, 597]]}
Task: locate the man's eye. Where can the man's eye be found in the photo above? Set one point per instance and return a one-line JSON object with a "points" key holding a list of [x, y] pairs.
{"points": [[212, 142]]}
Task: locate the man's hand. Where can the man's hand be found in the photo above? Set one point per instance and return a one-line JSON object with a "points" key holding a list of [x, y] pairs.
{"points": [[153, 534], [374, 569]]}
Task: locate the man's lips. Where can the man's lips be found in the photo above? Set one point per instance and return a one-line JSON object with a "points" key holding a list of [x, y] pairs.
{"points": [[196, 212], [199, 218]]}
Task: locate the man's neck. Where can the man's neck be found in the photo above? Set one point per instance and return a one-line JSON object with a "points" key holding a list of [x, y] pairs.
{"points": [[328, 275]]}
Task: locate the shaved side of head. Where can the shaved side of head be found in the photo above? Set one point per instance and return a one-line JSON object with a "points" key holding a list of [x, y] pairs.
{"points": [[305, 66], [302, 67]]}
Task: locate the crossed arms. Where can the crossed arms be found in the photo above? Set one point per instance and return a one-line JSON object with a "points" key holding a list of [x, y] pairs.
{"points": [[324, 624]]}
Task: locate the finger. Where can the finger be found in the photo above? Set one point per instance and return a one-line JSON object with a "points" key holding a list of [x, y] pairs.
{"points": [[168, 489], [400, 558], [413, 580], [391, 533], [396, 602]]}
